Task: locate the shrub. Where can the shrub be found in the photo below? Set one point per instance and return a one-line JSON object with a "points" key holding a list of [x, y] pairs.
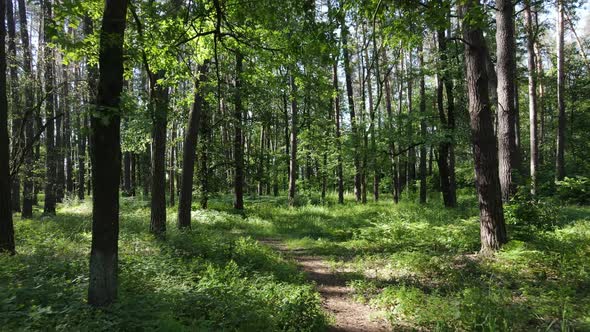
{"points": [[574, 190]]}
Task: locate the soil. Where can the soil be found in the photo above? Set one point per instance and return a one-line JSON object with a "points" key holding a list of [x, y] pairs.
{"points": [[337, 299]]}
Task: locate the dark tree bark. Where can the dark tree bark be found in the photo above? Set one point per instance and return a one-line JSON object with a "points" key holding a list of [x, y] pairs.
{"points": [[534, 147], [28, 189], [293, 170], [205, 131], [509, 158], [67, 142], [446, 158], [189, 149], [159, 101], [561, 119], [127, 173], [51, 158], [391, 144], [422, 126], [492, 227], [238, 138], [18, 137], [172, 171], [6, 224], [339, 173], [106, 158], [353, 120]]}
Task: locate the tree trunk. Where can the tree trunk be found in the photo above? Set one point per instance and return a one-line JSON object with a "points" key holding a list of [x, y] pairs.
{"points": [[509, 158], [28, 189], [189, 149], [106, 158], [127, 173], [17, 117], [353, 120], [339, 172], [67, 142], [446, 158], [534, 155], [492, 227], [172, 171], [159, 101], [293, 170], [422, 126], [51, 158], [205, 131], [238, 139], [6, 224], [561, 119]]}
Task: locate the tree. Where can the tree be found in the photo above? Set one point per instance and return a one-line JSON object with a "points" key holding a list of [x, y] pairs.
{"points": [[293, 168], [189, 151], [17, 133], [561, 118], [51, 158], [534, 147], [6, 225], [422, 125], [106, 157], [28, 190], [492, 227], [238, 137], [506, 68]]}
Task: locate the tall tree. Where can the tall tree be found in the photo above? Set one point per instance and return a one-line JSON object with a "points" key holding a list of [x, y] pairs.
{"points": [[534, 147], [238, 137], [446, 150], [422, 125], [51, 157], [492, 227], [106, 157], [293, 168], [189, 149], [561, 118], [28, 190], [17, 132], [337, 117], [6, 224], [506, 68]]}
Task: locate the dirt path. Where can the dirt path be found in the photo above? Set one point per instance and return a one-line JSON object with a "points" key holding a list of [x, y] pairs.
{"points": [[336, 296]]}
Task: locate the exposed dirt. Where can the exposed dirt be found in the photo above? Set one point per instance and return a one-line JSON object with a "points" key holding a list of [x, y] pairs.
{"points": [[349, 314]]}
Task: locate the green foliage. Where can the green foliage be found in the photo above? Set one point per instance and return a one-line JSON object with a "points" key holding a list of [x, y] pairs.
{"points": [[526, 210], [574, 190], [205, 280]]}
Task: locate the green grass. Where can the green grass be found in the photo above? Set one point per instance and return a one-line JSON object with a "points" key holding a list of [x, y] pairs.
{"points": [[417, 264]]}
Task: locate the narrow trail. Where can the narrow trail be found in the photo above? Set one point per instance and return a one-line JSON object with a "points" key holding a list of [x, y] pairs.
{"points": [[350, 315]]}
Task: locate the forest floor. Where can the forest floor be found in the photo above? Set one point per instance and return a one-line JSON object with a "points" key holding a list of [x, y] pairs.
{"points": [[345, 267]]}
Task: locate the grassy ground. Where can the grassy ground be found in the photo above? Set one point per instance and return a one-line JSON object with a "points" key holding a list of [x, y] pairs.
{"points": [[418, 264]]}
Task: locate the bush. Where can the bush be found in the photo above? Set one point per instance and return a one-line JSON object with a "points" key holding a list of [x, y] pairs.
{"points": [[525, 210], [574, 190]]}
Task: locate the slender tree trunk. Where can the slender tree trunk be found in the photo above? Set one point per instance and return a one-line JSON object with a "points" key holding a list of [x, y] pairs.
{"points": [[353, 120], [205, 131], [293, 157], [339, 172], [238, 139], [391, 146], [561, 119], [67, 142], [411, 171], [492, 227], [422, 126], [159, 100], [534, 155], [18, 137], [106, 158], [189, 149], [28, 189], [509, 159], [51, 158], [172, 171], [6, 224], [127, 173], [446, 158]]}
